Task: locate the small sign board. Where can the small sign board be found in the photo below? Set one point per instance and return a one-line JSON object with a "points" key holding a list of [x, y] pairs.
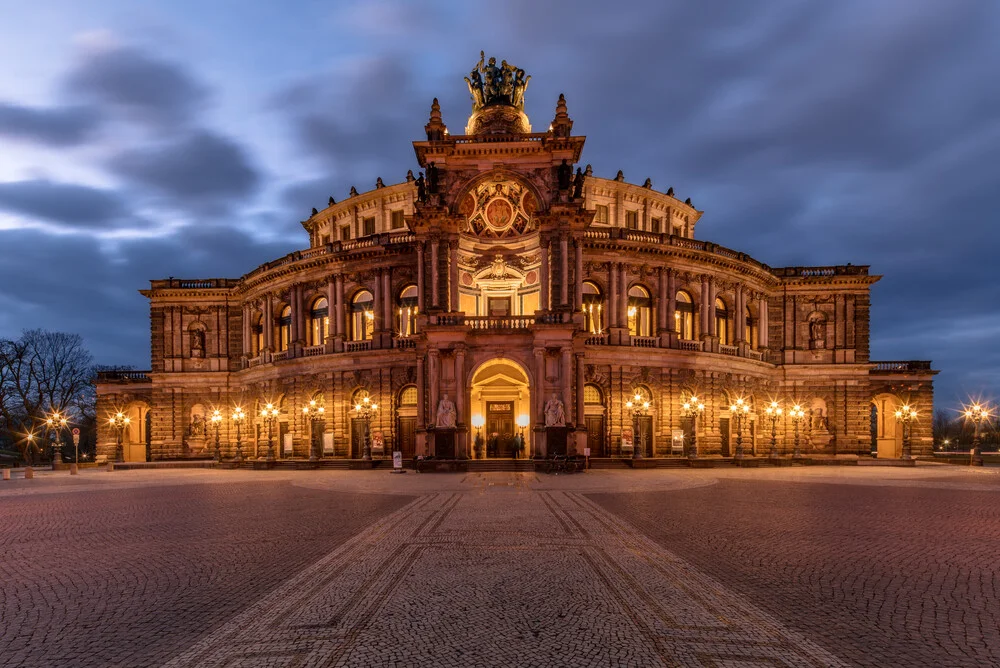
{"points": [[586, 452], [76, 437], [76, 431], [397, 459]]}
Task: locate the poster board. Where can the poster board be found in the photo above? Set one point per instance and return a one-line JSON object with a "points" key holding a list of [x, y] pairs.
{"points": [[677, 442], [627, 440]]}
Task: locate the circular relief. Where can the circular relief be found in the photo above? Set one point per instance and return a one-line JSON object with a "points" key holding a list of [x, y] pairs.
{"points": [[468, 205], [531, 278], [466, 278], [499, 214]]}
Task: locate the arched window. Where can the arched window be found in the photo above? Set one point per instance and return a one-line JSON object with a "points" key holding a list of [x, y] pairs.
{"points": [[684, 316], [721, 321], [592, 395], [751, 329], [593, 308], [406, 311], [408, 396], [258, 334], [362, 316], [640, 311], [284, 328], [319, 322]]}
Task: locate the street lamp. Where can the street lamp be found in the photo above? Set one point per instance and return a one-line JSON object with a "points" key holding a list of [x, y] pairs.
{"points": [[796, 413], [905, 415], [55, 422], [522, 423], [217, 422], [740, 411], [774, 412], [119, 421], [314, 413], [978, 413], [477, 447], [269, 414], [693, 408], [366, 410], [638, 407], [238, 417]]}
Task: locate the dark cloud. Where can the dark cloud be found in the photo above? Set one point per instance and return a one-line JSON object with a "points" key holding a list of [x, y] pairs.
{"points": [[68, 204], [197, 170], [56, 126], [139, 84]]}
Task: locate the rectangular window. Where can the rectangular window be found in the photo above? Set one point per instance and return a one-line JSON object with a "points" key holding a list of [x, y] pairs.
{"points": [[499, 306], [397, 219], [677, 231], [345, 232], [632, 220], [369, 226], [325, 239], [602, 214], [655, 225]]}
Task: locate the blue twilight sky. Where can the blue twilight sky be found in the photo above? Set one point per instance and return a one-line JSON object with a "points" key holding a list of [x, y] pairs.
{"points": [[182, 138]]}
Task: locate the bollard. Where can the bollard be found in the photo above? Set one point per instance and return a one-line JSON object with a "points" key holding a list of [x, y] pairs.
{"points": [[6, 474], [72, 469], [29, 473]]}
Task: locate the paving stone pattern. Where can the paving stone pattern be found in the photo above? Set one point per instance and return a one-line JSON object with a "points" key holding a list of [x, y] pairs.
{"points": [[883, 576], [131, 576], [503, 575]]}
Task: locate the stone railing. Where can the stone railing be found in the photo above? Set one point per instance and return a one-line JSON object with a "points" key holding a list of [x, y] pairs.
{"points": [[505, 322], [404, 342], [756, 355], [193, 284], [280, 355], [122, 376], [597, 340], [357, 346], [728, 350], [645, 341], [696, 346], [255, 361], [902, 366], [312, 351]]}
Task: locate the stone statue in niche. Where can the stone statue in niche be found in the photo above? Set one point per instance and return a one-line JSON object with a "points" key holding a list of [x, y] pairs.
{"points": [[446, 414], [555, 413], [197, 427], [564, 174], [197, 343], [817, 333], [578, 184]]}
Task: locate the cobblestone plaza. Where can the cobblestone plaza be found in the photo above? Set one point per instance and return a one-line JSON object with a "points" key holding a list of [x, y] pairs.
{"points": [[813, 566]]}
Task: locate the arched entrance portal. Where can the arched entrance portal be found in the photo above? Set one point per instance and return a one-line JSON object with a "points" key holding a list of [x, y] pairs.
{"points": [[888, 438], [501, 403], [135, 437]]}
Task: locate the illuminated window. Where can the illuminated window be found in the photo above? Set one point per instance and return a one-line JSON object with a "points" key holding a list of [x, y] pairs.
{"points": [[258, 334], [640, 311], [751, 329], [319, 322], [406, 312], [721, 321], [362, 316], [601, 214], [284, 328], [592, 395], [684, 316], [408, 397], [593, 308]]}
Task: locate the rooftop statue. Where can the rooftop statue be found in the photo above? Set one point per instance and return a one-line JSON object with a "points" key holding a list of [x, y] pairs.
{"points": [[492, 84]]}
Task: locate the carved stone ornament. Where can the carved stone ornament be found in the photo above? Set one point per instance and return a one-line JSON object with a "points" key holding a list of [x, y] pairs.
{"points": [[499, 210]]}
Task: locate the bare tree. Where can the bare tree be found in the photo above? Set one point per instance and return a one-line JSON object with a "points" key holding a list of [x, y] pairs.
{"points": [[42, 372]]}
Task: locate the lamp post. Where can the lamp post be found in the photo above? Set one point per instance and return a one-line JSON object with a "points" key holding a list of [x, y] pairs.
{"points": [[905, 415], [977, 413], [217, 422], [366, 410], [269, 414], [638, 407], [119, 421], [522, 422], [477, 447], [774, 412], [693, 408], [314, 413], [55, 422], [740, 411], [796, 413], [238, 417]]}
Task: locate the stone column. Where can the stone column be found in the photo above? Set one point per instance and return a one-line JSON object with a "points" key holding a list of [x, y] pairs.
{"points": [[453, 276], [247, 331], [269, 323], [539, 391], [578, 278], [706, 297], [623, 297], [420, 276], [339, 304], [421, 398], [331, 307], [740, 321], [612, 295], [460, 385], [377, 307], [671, 300], [434, 362], [580, 382], [434, 273], [762, 324], [565, 377], [564, 270], [543, 275], [387, 298], [296, 303], [661, 315]]}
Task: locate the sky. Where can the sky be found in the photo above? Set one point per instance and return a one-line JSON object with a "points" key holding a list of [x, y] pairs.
{"points": [[188, 138]]}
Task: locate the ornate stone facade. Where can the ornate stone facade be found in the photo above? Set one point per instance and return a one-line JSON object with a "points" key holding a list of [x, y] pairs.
{"points": [[500, 278]]}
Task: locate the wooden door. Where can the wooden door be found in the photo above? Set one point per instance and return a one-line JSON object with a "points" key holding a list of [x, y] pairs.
{"points": [[500, 421], [644, 435], [724, 435], [357, 438], [595, 435], [407, 436]]}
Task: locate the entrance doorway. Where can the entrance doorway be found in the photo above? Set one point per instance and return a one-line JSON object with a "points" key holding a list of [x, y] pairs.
{"points": [[724, 435], [500, 397], [595, 436]]}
